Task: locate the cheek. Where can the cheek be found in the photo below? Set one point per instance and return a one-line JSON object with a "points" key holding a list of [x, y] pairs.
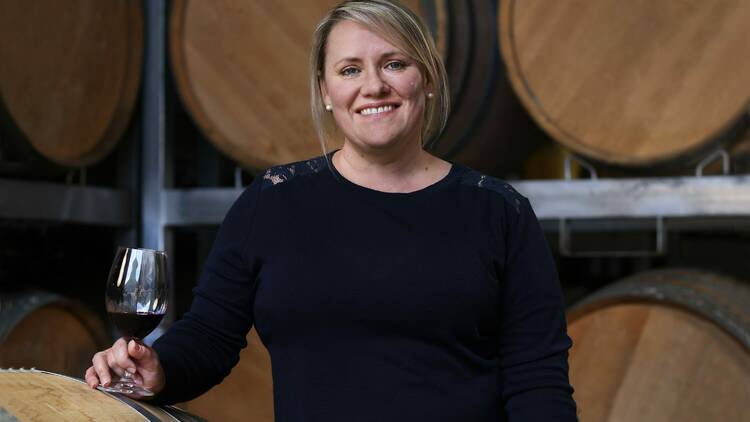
{"points": [[411, 88], [338, 92], [414, 92]]}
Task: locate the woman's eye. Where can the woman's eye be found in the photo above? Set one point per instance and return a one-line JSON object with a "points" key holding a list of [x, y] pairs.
{"points": [[349, 71], [395, 65]]}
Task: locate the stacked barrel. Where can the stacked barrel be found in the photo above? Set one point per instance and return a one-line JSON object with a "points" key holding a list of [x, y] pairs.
{"points": [[648, 88], [69, 80], [645, 85]]}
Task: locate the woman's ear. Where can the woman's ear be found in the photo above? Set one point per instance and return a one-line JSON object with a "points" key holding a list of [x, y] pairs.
{"points": [[428, 85]]}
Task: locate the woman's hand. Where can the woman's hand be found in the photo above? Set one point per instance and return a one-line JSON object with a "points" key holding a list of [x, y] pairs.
{"points": [[136, 358]]}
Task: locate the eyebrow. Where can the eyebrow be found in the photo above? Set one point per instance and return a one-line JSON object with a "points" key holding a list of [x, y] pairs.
{"points": [[358, 60]]}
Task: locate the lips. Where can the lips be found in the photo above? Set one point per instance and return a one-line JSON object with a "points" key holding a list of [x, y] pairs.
{"points": [[375, 109]]}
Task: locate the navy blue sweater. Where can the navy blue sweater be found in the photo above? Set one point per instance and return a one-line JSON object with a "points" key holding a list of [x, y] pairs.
{"points": [[437, 305]]}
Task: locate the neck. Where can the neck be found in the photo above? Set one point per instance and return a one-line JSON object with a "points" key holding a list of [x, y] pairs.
{"points": [[399, 159], [403, 168]]}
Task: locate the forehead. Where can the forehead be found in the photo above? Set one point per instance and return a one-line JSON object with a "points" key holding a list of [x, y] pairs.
{"points": [[353, 39]]}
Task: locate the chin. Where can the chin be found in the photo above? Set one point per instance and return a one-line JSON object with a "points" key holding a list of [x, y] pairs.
{"points": [[379, 141], [378, 144]]}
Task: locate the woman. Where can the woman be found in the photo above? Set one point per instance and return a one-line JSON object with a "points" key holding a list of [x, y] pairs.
{"points": [[386, 283]]}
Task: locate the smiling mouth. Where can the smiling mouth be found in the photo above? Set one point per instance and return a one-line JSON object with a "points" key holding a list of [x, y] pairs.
{"points": [[377, 110]]}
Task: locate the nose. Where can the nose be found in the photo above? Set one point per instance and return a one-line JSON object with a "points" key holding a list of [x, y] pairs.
{"points": [[374, 85]]}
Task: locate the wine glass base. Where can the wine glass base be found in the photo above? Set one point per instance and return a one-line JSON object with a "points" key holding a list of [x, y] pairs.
{"points": [[124, 387]]}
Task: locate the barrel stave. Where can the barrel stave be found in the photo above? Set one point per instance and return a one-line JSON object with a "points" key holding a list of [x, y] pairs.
{"points": [[662, 344]]}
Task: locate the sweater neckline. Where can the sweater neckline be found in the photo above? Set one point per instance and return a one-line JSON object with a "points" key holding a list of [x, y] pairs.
{"points": [[439, 184]]}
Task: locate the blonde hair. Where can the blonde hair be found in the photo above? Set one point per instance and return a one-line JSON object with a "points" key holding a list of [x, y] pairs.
{"points": [[402, 28]]}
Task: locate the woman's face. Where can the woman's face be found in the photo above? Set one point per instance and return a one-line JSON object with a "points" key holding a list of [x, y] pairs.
{"points": [[377, 92]]}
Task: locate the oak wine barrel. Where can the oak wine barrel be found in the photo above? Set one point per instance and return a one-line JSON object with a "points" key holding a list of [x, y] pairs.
{"points": [[44, 396], [70, 77], [664, 345], [246, 394], [241, 70], [488, 128], [46, 331], [640, 85]]}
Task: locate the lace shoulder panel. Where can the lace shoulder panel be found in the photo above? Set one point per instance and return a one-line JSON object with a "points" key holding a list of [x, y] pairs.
{"points": [[494, 184], [285, 172]]}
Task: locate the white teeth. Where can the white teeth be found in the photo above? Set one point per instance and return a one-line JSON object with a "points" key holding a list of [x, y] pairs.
{"points": [[376, 110]]}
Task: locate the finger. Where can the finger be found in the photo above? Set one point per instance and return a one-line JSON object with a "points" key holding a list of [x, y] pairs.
{"points": [[122, 357], [113, 364], [101, 367], [91, 379], [136, 350]]}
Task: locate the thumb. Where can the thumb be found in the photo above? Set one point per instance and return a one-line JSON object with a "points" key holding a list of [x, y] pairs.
{"points": [[140, 352], [150, 374]]}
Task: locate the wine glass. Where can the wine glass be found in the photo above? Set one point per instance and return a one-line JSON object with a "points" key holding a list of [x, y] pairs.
{"points": [[136, 300]]}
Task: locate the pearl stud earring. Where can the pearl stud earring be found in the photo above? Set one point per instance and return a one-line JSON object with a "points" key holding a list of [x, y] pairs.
{"points": [[329, 107], [430, 95]]}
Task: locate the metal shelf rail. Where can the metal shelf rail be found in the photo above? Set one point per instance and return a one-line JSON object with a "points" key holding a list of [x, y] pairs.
{"points": [[153, 140], [669, 197], [652, 204], [64, 203], [702, 198]]}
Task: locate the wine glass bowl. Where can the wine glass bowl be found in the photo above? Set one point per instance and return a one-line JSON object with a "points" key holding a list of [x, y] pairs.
{"points": [[136, 300]]}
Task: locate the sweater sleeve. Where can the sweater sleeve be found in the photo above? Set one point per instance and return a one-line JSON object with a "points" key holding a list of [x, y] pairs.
{"points": [[198, 351], [533, 342]]}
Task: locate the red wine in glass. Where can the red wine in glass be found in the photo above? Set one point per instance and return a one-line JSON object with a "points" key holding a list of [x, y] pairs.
{"points": [[136, 300], [137, 325]]}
